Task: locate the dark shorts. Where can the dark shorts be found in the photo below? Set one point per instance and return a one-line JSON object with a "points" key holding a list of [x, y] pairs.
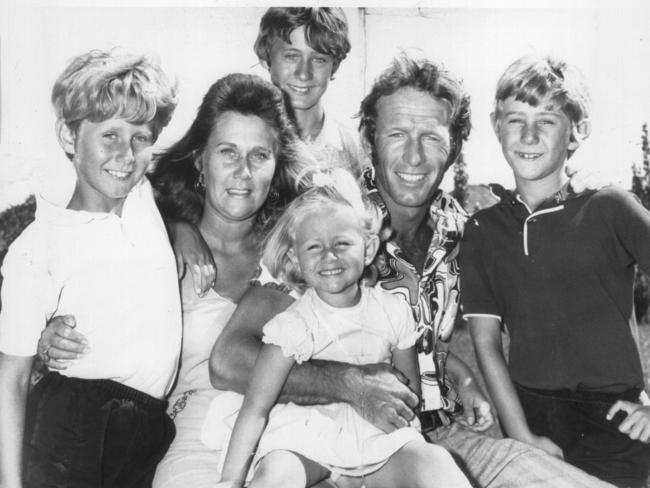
{"points": [[93, 433], [576, 421]]}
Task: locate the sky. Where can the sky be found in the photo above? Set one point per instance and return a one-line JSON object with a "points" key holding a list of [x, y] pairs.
{"points": [[201, 41]]}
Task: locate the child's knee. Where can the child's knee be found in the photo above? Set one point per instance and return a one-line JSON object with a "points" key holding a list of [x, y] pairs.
{"points": [[279, 469], [430, 462]]}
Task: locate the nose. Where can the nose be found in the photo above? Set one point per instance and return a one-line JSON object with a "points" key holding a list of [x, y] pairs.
{"points": [[529, 134], [329, 254], [244, 170], [126, 153], [413, 152], [304, 70]]}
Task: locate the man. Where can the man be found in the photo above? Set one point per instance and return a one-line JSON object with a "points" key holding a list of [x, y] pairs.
{"points": [[414, 122]]}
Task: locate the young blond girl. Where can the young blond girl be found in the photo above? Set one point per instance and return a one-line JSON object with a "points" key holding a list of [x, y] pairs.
{"points": [[321, 245]]}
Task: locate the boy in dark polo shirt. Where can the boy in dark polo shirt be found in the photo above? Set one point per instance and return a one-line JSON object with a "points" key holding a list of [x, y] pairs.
{"points": [[557, 269]]}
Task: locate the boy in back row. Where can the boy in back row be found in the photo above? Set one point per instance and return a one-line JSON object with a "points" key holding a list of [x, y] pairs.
{"points": [[557, 269], [105, 257]]}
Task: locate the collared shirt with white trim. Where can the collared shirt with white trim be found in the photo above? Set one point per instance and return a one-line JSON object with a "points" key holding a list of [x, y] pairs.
{"points": [[560, 278]]}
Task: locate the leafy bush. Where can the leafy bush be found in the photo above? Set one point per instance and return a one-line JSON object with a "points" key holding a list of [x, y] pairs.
{"points": [[12, 222]]}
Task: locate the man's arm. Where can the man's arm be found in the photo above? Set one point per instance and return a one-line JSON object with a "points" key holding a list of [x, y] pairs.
{"points": [[14, 383], [486, 335], [377, 391]]}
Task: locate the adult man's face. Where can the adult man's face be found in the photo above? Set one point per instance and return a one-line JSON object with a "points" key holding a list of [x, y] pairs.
{"points": [[411, 146]]}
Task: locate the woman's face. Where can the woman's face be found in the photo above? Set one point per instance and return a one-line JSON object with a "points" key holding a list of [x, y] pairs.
{"points": [[238, 163]]}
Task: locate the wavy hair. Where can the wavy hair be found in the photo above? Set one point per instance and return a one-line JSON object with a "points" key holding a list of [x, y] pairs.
{"points": [[427, 77], [337, 187], [99, 85], [176, 175]]}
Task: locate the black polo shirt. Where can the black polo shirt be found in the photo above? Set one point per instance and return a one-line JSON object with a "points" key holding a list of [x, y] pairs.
{"points": [[561, 280]]}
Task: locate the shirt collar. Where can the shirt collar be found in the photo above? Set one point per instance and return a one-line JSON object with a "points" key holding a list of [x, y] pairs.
{"points": [[564, 194], [57, 214]]}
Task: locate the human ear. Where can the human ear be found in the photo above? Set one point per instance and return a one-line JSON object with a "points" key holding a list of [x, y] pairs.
{"points": [[65, 136], [291, 254], [372, 246], [496, 125], [366, 145], [265, 64], [579, 133]]}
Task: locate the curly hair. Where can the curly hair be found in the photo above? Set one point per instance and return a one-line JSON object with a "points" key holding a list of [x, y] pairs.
{"points": [[326, 30], [427, 77], [99, 85], [175, 175]]}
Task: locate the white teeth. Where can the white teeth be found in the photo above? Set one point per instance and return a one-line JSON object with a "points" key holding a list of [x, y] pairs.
{"points": [[120, 175], [528, 155], [411, 177], [331, 272], [299, 90], [238, 192]]}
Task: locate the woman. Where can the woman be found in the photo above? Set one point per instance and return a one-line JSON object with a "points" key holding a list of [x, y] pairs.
{"points": [[227, 176]]}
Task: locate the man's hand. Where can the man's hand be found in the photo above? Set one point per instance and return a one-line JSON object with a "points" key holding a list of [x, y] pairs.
{"points": [[193, 253], [637, 423], [547, 445], [60, 343], [477, 412], [381, 396]]}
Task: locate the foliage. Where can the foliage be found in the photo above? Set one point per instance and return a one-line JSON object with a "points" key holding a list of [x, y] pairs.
{"points": [[13, 221], [641, 188], [460, 180]]}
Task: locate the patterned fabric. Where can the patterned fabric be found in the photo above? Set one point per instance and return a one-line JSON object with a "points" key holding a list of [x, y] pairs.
{"points": [[433, 294]]}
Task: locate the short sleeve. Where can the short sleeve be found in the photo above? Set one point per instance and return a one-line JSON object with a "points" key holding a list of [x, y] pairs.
{"points": [[476, 295], [24, 300], [631, 222], [401, 318], [291, 333]]}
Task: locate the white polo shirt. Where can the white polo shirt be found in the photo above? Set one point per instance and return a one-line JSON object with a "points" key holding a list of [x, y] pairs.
{"points": [[116, 275]]}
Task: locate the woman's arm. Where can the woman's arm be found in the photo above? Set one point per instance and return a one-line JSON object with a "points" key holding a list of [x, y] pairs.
{"points": [[269, 375], [14, 383], [377, 391], [486, 335], [193, 253]]}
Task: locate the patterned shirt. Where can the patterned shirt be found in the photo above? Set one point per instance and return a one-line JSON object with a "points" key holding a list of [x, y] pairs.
{"points": [[432, 294]]}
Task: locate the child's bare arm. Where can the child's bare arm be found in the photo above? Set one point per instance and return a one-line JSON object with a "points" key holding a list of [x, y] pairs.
{"points": [[14, 384], [269, 375], [637, 423], [192, 254], [486, 335]]}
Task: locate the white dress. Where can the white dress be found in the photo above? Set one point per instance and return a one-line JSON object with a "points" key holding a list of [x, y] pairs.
{"points": [[189, 462], [333, 435]]}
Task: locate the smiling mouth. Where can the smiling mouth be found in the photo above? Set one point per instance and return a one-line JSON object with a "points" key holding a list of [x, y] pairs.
{"points": [[410, 177], [331, 272], [119, 175], [238, 192], [299, 90], [528, 156]]}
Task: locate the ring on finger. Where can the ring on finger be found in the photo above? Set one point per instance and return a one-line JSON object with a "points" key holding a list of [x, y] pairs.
{"points": [[45, 354]]}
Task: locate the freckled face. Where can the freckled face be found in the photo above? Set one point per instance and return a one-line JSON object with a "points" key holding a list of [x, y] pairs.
{"points": [[110, 157], [535, 140], [238, 163], [302, 73], [411, 145], [331, 254]]}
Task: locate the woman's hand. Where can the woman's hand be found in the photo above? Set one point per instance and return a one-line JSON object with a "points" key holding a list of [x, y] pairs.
{"points": [[193, 253], [637, 423], [60, 343]]}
